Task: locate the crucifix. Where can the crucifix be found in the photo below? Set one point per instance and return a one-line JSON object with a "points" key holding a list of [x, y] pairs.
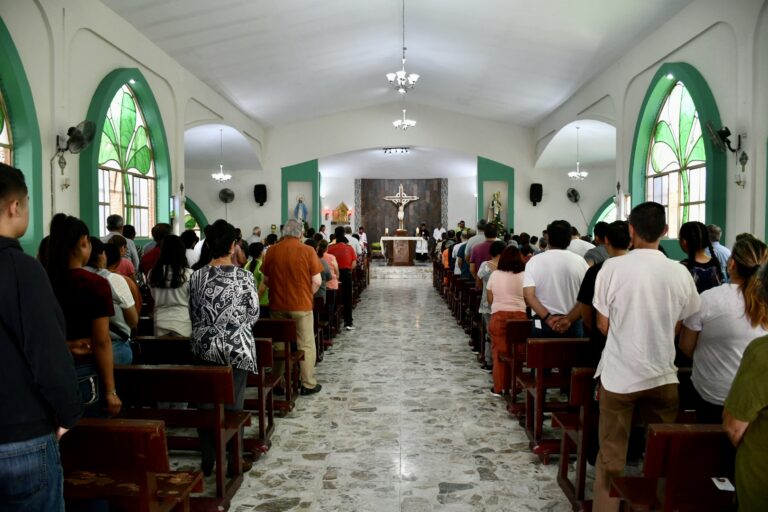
{"points": [[400, 200]]}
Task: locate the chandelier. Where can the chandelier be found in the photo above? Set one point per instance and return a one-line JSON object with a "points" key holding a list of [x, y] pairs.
{"points": [[403, 124], [396, 150], [221, 176], [578, 174], [402, 80]]}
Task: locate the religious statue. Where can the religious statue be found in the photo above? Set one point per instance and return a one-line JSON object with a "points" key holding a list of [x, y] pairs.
{"points": [[495, 209], [300, 212], [341, 214], [400, 200]]}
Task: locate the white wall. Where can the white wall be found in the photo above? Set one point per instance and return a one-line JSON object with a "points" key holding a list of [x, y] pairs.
{"points": [[462, 201], [335, 191]]}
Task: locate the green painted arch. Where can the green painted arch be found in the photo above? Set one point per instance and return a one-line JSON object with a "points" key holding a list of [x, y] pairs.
{"points": [[89, 158], [706, 106], [600, 211], [195, 212], [27, 147]]}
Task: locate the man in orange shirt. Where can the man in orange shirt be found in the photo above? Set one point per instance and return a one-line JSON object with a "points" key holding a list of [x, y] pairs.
{"points": [[292, 273], [347, 260]]}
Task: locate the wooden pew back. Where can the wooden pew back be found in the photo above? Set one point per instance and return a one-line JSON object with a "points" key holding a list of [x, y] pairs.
{"points": [[557, 352], [147, 384], [674, 450], [162, 350]]}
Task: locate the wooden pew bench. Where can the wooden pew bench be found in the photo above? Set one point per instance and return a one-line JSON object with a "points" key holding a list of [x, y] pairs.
{"points": [[542, 356], [126, 463], [680, 462], [517, 340], [283, 336], [142, 387]]}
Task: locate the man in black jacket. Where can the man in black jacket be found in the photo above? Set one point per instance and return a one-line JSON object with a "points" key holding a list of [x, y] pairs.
{"points": [[39, 399]]}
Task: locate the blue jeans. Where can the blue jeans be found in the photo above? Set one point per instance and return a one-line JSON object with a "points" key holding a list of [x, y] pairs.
{"points": [[121, 352], [30, 475]]}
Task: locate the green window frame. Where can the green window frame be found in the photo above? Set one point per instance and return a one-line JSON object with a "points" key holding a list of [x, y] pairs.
{"points": [[194, 218], [6, 137], [125, 156], [646, 132], [606, 212]]}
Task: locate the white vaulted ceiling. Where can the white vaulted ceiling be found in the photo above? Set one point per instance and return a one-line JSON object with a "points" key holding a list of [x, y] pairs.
{"points": [[286, 60]]}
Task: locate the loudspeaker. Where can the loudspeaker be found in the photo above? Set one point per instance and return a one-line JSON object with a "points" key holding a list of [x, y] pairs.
{"points": [[260, 194], [537, 189]]}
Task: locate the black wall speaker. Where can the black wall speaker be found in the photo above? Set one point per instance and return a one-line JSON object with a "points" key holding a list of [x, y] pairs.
{"points": [[260, 194], [537, 189]]}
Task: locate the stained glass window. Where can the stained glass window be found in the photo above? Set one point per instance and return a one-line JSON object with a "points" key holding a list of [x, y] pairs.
{"points": [[126, 165], [191, 223], [6, 141], [677, 168], [608, 214]]}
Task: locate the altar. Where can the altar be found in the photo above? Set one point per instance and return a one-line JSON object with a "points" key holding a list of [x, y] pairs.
{"points": [[399, 250]]}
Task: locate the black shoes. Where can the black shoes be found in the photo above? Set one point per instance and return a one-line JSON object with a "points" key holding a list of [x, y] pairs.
{"points": [[310, 391]]}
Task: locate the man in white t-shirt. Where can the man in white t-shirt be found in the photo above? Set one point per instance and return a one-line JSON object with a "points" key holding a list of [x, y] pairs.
{"points": [[551, 286], [640, 298], [437, 233], [578, 245], [352, 241]]}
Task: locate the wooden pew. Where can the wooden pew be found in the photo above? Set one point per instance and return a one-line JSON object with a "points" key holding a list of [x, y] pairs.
{"points": [[150, 350], [680, 462], [318, 306], [542, 356], [517, 339], [577, 430], [284, 332], [143, 386], [126, 463], [336, 317]]}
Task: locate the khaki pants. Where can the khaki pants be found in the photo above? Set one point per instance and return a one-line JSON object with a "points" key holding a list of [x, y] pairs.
{"points": [[305, 340], [655, 405]]}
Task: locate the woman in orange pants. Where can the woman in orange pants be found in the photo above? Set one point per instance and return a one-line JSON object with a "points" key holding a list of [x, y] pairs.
{"points": [[505, 295]]}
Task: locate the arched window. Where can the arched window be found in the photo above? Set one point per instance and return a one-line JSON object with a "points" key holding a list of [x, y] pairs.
{"points": [[676, 175], [6, 140], [126, 165], [194, 218]]}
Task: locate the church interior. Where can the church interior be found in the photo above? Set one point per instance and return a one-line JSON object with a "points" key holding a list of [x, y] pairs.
{"points": [[393, 118]]}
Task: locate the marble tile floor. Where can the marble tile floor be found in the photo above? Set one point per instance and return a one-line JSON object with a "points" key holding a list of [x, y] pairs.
{"points": [[404, 423]]}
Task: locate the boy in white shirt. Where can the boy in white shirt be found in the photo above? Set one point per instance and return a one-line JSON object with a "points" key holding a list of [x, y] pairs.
{"points": [[640, 298]]}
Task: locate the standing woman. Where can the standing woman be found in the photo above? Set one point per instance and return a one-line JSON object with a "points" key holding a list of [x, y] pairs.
{"points": [[505, 295], [169, 285], [86, 300], [224, 306], [706, 271], [731, 316], [256, 251]]}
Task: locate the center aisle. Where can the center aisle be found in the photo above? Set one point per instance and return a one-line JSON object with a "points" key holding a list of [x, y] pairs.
{"points": [[404, 422]]}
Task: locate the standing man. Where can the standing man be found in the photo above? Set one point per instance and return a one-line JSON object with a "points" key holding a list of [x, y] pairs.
{"points": [[478, 238], [437, 233], [599, 253], [39, 399], [722, 253], [578, 245], [323, 232], [347, 260], [482, 252], [292, 273], [640, 298], [353, 242], [115, 227], [363, 239], [255, 236]]}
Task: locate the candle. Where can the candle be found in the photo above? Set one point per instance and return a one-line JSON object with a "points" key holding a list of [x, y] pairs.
{"points": [[386, 231], [417, 231]]}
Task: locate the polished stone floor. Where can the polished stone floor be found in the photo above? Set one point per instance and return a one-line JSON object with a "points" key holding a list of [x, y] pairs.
{"points": [[404, 423]]}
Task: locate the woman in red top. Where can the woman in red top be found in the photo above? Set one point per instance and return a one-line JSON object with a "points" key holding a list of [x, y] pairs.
{"points": [[347, 259], [86, 300]]}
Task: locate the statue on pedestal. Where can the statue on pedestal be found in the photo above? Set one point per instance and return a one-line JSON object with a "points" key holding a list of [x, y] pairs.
{"points": [[495, 209], [400, 200]]}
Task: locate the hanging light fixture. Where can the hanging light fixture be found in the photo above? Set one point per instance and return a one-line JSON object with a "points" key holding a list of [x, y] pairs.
{"points": [[221, 176], [403, 124], [578, 174], [402, 80]]}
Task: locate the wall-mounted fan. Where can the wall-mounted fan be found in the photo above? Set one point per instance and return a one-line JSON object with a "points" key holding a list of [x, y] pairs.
{"points": [[78, 138], [721, 138], [573, 195], [226, 196]]}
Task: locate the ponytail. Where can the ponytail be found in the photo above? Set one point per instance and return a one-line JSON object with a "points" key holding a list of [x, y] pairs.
{"points": [[748, 255]]}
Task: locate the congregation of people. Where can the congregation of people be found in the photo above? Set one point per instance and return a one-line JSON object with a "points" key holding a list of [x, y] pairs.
{"points": [[646, 317], [72, 319]]}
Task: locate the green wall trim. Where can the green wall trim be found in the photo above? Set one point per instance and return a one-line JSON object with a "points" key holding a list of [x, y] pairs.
{"points": [[195, 212], [708, 113], [97, 112], [600, 209], [27, 147], [490, 170], [305, 171]]}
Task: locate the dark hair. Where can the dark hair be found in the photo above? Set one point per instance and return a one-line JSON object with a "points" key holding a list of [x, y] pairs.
{"points": [[129, 231], [534, 240], [516, 238], [318, 237], [189, 239], [491, 231], [97, 247], [271, 239], [451, 233], [339, 231], [160, 231], [482, 224], [574, 231], [173, 261], [310, 242], [66, 233], [221, 238], [601, 230], [526, 250], [12, 184], [559, 234], [648, 220], [322, 247], [524, 238], [118, 241], [42, 251], [511, 260], [748, 255], [112, 253], [311, 233], [617, 234], [238, 234], [696, 238], [205, 252], [255, 250], [497, 248], [356, 237], [332, 237]]}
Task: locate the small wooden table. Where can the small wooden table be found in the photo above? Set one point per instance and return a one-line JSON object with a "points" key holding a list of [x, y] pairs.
{"points": [[399, 250]]}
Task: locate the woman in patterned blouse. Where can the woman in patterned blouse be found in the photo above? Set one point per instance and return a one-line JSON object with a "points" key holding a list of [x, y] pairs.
{"points": [[223, 306]]}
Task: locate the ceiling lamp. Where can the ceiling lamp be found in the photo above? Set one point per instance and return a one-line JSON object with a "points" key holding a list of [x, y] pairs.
{"points": [[578, 174], [403, 124], [221, 176], [402, 80], [396, 150]]}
